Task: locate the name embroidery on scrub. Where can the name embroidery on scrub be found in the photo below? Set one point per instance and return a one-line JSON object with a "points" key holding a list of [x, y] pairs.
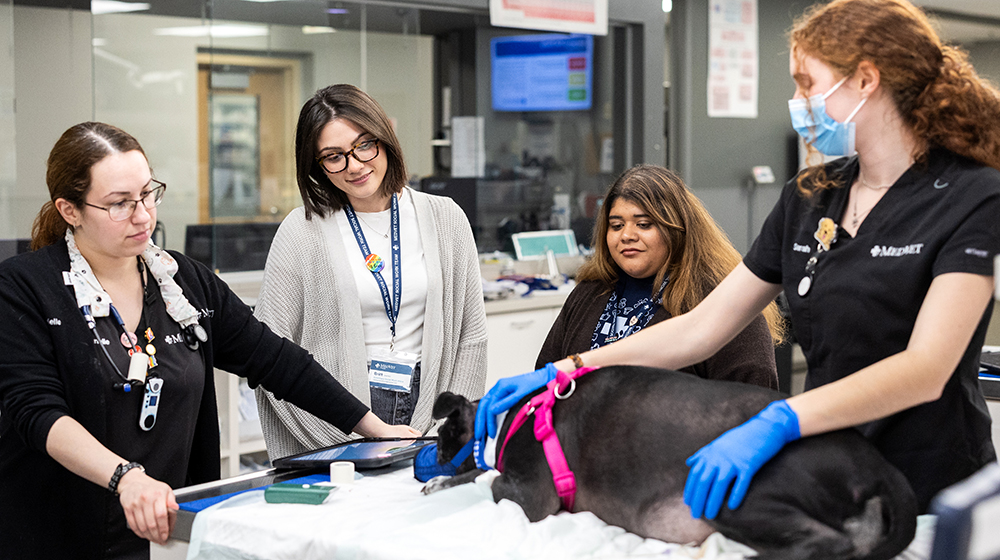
{"points": [[885, 251], [801, 248]]}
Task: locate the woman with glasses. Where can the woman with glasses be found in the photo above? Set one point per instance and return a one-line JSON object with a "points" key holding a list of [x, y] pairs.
{"points": [[108, 346], [379, 282], [657, 253], [885, 256]]}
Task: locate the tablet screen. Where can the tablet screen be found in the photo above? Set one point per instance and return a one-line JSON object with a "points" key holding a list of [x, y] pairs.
{"points": [[364, 453]]}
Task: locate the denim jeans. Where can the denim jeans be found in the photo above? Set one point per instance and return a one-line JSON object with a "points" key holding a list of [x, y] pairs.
{"points": [[395, 407]]}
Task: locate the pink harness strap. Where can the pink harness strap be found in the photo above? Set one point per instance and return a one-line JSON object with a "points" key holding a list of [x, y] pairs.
{"points": [[545, 432]]}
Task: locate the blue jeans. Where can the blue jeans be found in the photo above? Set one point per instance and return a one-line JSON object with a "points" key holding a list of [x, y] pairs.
{"points": [[395, 407]]}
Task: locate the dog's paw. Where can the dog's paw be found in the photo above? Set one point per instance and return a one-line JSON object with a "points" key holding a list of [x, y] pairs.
{"points": [[436, 484]]}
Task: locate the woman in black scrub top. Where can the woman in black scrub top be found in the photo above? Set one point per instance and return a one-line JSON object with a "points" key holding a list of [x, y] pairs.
{"points": [[108, 346], [886, 258]]}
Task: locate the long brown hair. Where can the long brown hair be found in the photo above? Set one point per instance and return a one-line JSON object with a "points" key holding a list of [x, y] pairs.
{"points": [[341, 101], [937, 92], [67, 173], [700, 254]]}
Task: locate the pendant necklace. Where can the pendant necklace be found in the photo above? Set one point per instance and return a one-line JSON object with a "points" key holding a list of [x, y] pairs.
{"points": [[855, 218], [384, 235]]}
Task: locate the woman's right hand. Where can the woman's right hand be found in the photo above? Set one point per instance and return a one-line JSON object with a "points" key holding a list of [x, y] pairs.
{"points": [[505, 394], [373, 426], [147, 503]]}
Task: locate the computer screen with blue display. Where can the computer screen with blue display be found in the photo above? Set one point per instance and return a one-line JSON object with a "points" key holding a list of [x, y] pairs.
{"points": [[544, 72]]}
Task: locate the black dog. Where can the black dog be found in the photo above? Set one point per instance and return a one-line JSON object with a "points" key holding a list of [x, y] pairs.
{"points": [[626, 432]]}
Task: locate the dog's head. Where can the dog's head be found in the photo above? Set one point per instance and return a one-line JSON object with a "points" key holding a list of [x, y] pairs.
{"points": [[457, 429]]}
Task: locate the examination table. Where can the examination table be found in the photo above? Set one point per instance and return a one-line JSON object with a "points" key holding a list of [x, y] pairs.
{"points": [[383, 515]]}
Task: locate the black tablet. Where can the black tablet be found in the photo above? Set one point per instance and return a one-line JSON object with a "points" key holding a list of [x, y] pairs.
{"points": [[365, 453], [990, 361]]}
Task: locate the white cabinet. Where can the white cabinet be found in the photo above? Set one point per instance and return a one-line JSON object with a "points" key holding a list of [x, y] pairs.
{"points": [[239, 426], [516, 332]]}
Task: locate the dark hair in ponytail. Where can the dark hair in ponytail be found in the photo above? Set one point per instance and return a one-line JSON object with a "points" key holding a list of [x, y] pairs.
{"points": [[68, 173], [936, 90]]}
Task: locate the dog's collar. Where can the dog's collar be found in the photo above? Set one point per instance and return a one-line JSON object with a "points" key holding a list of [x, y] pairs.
{"points": [[561, 388]]}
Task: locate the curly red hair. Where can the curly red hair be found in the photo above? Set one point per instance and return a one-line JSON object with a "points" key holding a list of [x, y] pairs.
{"points": [[935, 88]]}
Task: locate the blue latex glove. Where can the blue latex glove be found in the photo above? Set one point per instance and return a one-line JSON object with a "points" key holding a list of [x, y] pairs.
{"points": [[737, 454], [505, 394]]}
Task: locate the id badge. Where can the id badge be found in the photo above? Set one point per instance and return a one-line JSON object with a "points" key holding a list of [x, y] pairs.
{"points": [[391, 370]]}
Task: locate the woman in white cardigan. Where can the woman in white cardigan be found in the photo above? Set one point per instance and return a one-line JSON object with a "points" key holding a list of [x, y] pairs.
{"points": [[336, 283]]}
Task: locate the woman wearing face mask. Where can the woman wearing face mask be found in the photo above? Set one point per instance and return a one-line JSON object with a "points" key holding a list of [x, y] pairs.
{"points": [[886, 258], [657, 254], [369, 275]]}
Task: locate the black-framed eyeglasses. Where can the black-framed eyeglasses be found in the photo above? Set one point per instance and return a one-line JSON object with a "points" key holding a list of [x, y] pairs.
{"points": [[363, 152], [121, 211]]}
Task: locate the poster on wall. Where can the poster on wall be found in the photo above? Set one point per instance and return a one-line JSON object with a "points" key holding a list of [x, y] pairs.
{"points": [[569, 16], [733, 59]]}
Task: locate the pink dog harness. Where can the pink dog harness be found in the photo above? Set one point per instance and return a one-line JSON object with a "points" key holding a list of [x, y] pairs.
{"points": [[545, 432]]}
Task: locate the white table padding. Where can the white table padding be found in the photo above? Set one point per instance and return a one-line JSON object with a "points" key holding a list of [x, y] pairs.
{"points": [[386, 517]]}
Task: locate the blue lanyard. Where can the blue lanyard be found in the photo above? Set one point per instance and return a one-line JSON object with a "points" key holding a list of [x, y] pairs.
{"points": [[391, 305]]}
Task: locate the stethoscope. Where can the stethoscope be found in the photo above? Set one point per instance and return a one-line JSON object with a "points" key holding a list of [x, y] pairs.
{"points": [[193, 334]]}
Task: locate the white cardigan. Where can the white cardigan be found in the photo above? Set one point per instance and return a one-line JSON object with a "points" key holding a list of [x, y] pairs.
{"points": [[305, 271]]}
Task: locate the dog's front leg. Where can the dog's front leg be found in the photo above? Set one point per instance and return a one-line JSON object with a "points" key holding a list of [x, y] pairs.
{"points": [[443, 482], [537, 501]]}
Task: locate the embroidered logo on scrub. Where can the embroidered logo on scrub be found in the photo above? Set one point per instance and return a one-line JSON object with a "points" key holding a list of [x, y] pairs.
{"points": [[977, 253], [826, 233], [939, 185], [886, 251]]}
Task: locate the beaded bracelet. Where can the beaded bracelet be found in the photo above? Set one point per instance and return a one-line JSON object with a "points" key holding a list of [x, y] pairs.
{"points": [[120, 472]]}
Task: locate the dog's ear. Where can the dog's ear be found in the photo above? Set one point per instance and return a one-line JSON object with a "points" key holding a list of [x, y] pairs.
{"points": [[447, 404]]}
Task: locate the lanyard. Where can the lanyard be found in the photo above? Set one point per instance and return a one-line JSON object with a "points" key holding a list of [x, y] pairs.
{"points": [[375, 264]]}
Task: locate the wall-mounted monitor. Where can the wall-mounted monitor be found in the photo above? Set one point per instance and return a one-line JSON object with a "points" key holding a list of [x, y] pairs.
{"points": [[543, 72]]}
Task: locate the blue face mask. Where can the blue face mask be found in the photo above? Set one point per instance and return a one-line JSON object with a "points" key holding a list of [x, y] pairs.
{"points": [[830, 137]]}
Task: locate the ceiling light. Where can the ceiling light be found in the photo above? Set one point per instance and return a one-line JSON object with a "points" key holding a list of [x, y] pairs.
{"points": [[316, 30], [99, 7], [216, 31], [668, 5]]}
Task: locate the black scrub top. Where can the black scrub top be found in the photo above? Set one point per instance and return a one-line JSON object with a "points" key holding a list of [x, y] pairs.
{"points": [[165, 449], [941, 216]]}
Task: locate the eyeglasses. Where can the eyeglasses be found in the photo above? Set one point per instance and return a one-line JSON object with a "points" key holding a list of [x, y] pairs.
{"points": [[337, 162], [121, 211]]}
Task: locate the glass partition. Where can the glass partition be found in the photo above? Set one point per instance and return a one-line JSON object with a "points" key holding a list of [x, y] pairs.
{"points": [[8, 147], [213, 97], [212, 90]]}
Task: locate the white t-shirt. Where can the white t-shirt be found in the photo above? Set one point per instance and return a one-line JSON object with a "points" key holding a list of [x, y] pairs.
{"points": [[410, 322]]}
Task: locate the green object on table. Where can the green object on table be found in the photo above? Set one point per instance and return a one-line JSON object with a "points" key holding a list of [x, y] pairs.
{"points": [[297, 493]]}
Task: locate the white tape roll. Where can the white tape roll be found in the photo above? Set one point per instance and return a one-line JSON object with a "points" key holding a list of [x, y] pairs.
{"points": [[342, 472]]}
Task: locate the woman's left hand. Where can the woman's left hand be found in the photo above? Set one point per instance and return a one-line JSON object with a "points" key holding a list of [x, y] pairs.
{"points": [[737, 455], [147, 503]]}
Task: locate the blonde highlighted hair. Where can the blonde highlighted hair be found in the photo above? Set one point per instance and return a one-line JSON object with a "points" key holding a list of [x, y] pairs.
{"points": [[700, 254]]}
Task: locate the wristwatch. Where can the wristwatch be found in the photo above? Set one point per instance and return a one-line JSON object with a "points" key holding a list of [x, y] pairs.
{"points": [[120, 472]]}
